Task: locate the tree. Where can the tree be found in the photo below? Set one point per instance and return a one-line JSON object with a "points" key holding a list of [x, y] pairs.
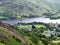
{"points": [[33, 27]]}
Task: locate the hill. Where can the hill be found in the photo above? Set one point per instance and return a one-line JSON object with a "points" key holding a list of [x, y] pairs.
{"points": [[28, 34], [9, 36], [23, 8], [11, 9]]}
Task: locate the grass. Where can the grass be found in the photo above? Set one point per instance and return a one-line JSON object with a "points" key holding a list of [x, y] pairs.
{"points": [[58, 41], [11, 41], [32, 37], [2, 44], [2, 17], [25, 26]]}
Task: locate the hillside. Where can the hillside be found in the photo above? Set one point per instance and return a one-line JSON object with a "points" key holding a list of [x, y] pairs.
{"points": [[13, 36], [9, 36], [28, 34], [10, 9]]}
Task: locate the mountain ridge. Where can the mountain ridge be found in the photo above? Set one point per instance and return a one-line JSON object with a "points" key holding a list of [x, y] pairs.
{"points": [[23, 8], [27, 8]]}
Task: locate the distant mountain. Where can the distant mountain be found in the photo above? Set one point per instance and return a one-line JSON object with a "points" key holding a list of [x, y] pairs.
{"points": [[28, 8]]}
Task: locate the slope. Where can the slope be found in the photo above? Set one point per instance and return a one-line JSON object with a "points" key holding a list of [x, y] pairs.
{"points": [[23, 8], [9, 36]]}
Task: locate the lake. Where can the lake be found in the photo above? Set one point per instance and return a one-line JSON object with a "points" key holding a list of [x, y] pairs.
{"points": [[29, 20]]}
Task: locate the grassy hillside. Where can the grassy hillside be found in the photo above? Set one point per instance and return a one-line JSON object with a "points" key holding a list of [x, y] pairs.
{"points": [[14, 36], [28, 34], [26, 8], [8, 36]]}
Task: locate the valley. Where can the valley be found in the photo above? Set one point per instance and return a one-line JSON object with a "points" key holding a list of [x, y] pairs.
{"points": [[31, 20]]}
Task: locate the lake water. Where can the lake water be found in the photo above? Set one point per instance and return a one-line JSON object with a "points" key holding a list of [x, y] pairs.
{"points": [[29, 20]]}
